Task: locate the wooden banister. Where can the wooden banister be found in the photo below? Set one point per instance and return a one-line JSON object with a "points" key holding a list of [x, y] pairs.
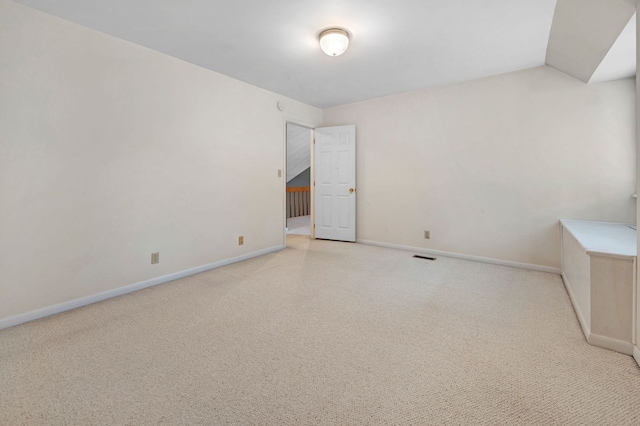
{"points": [[299, 201]]}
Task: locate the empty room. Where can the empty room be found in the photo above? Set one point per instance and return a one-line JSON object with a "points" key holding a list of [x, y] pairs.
{"points": [[318, 213]]}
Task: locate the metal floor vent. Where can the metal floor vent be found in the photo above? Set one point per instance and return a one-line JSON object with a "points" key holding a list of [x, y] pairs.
{"points": [[424, 257]]}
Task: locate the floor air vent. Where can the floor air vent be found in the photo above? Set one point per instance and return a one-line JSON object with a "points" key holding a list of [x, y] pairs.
{"points": [[424, 257]]}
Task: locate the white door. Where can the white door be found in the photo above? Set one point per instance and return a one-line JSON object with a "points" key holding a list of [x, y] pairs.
{"points": [[335, 183]]}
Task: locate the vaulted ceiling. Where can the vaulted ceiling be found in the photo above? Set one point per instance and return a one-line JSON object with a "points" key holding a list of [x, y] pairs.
{"points": [[395, 46], [585, 31]]}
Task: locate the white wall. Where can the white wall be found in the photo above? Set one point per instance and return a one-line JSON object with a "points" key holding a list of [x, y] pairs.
{"points": [[490, 166], [110, 151]]}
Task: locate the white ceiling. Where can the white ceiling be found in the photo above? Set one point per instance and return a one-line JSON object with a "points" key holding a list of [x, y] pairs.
{"points": [[585, 31], [620, 61], [395, 47], [298, 150]]}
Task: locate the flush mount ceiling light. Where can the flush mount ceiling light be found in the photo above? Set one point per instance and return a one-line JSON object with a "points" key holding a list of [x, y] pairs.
{"points": [[334, 41]]}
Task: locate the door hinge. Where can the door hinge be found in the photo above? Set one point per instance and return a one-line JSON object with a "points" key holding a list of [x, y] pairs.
{"points": [[314, 183]]}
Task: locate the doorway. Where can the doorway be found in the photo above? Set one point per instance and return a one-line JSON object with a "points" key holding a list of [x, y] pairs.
{"points": [[298, 180]]}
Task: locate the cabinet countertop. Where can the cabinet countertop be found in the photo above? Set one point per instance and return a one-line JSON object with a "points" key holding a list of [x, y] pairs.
{"points": [[603, 238]]}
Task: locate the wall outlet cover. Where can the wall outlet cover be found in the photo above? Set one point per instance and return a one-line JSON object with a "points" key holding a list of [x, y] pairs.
{"points": [[155, 258]]}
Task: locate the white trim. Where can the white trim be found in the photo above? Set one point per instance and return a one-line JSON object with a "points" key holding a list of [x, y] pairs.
{"points": [[529, 266], [568, 221], [611, 344], [73, 304], [607, 254], [583, 323], [636, 354]]}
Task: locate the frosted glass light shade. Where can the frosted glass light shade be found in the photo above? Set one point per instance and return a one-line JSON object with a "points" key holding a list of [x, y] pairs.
{"points": [[334, 42]]}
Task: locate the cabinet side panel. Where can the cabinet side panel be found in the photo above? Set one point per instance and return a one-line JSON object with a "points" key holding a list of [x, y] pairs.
{"points": [[612, 297], [575, 268]]}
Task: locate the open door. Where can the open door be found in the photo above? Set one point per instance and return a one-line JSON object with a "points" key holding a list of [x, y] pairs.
{"points": [[335, 183]]}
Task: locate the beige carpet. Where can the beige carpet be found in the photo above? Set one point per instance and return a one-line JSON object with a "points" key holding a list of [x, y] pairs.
{"points": [[321, 333], [300, 225]]}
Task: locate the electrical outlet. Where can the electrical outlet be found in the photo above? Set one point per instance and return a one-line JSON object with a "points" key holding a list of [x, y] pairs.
{"points": [[427, 235], [155, 258], [279, 172], [240, 240]]}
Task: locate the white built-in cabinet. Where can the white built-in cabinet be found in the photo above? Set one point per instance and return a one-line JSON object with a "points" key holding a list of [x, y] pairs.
{"points": [[636, 341], [598, 269]]}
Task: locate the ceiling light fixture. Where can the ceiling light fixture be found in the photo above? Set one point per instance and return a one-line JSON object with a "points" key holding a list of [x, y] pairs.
{"points": [[334, 41]]}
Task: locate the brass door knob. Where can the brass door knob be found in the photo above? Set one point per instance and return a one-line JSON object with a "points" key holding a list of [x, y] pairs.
{"points": [[351, 190]]}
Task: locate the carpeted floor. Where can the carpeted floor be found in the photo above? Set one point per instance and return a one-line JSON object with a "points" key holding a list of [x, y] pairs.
{"points": [[321, 333], [300, 225]]}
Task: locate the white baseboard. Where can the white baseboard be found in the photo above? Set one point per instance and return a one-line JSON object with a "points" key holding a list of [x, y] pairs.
{"points": [[611, 344], [636, 354], [583, 323], [73, 304], [529, 266]]}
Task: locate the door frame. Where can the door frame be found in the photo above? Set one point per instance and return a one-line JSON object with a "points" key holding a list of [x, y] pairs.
{"points": [[311, 127]]}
